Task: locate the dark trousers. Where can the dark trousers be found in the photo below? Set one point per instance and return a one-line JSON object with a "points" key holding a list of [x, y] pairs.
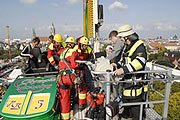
{"points": [[34, 63], [87, 77], [132, 111]]}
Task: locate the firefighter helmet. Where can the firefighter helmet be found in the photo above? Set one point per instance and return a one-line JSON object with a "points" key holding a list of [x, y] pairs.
{"points": [[70, 40], [84, 40], [125, 31], [58, 38]]}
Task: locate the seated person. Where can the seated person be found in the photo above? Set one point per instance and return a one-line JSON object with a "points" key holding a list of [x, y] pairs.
{"points": [[105, 53], [32, 51]]}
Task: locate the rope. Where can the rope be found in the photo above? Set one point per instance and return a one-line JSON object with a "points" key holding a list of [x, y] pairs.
{"points": [[68, 65]]}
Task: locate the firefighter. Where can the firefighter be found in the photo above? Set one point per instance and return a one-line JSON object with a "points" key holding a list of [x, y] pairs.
{"points": [[83, 48], [54, 50], [69, 74], [85, 52], [70, 42], [133, 59]]}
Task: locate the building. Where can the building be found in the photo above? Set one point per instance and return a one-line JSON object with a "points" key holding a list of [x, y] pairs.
{"points": [[172, 46], [154, 46], [44, 40]]}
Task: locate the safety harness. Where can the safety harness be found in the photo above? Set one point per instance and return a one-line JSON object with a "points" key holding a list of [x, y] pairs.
{"points": [[69, 72]]}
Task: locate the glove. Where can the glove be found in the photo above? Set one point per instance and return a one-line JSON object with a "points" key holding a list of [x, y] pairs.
{"points": [[81, 66], [56, 67]]}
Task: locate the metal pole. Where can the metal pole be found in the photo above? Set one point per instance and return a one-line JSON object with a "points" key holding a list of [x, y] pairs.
{"points": [[108, 88], [152, 66], [141, 112], [9, 48], [166, 96]]}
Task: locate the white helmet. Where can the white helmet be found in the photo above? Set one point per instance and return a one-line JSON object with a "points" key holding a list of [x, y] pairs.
{"points": [[125, 31]]}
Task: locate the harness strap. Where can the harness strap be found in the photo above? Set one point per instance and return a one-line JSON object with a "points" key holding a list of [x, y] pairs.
{"points": [[71, 79], [65, 56], [65, 72], [64, 87]]}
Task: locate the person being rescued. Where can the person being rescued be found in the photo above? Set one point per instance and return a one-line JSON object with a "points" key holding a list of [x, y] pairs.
{"points": [[54, 50], [69, 74], [32, 51], [85, 52], [105, 53]]}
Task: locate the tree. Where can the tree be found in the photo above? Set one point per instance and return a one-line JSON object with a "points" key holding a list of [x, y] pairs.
{"points": [[174, 102], [4, 54]]}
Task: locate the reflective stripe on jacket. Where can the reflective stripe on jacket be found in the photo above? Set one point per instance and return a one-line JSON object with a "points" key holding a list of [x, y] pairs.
{"points": [[53, 50], [83, 55], [135, 92], [136, 57]]}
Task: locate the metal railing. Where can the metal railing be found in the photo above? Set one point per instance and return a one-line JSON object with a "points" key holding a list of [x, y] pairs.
{"points": [[167, 80]]}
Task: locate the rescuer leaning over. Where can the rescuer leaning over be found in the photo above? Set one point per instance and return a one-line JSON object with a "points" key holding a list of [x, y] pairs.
{"points": [[54, 50], [85, 52], [69, 74], [70, 42], [134, 58]]}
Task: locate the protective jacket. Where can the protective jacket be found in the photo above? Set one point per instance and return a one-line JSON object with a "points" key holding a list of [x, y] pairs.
{"points": [[83, 54], [53, 49], [134, 59], [69, 75]]}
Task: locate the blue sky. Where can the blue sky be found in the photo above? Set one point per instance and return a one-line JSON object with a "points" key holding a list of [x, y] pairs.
{"points": [[150, 18]]}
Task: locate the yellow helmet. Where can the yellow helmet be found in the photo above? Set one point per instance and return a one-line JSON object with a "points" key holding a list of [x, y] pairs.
{"points": [[58, 38], [84, 40], [70, 40]]}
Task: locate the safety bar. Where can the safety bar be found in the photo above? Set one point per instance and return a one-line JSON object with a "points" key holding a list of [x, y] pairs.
{"points": [[167, 90], [138, 72], [35, 74], [156, 91]]}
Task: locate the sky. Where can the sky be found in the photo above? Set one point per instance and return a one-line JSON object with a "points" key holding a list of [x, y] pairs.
{"points": [[149, 18]]}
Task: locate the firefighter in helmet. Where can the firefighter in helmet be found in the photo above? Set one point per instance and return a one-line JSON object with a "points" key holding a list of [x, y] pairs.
{"points": [[134, 58], [83, 48], [54, 50], [70, 42], [69, 74], [85, 52]]}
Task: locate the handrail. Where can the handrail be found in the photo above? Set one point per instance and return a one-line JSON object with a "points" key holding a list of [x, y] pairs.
{"points": [[45, 73], [168, 80]]}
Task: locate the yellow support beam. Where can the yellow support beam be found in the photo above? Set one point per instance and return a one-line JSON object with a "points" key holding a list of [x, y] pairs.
{"points": [[84, 17], [90, 24]]}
